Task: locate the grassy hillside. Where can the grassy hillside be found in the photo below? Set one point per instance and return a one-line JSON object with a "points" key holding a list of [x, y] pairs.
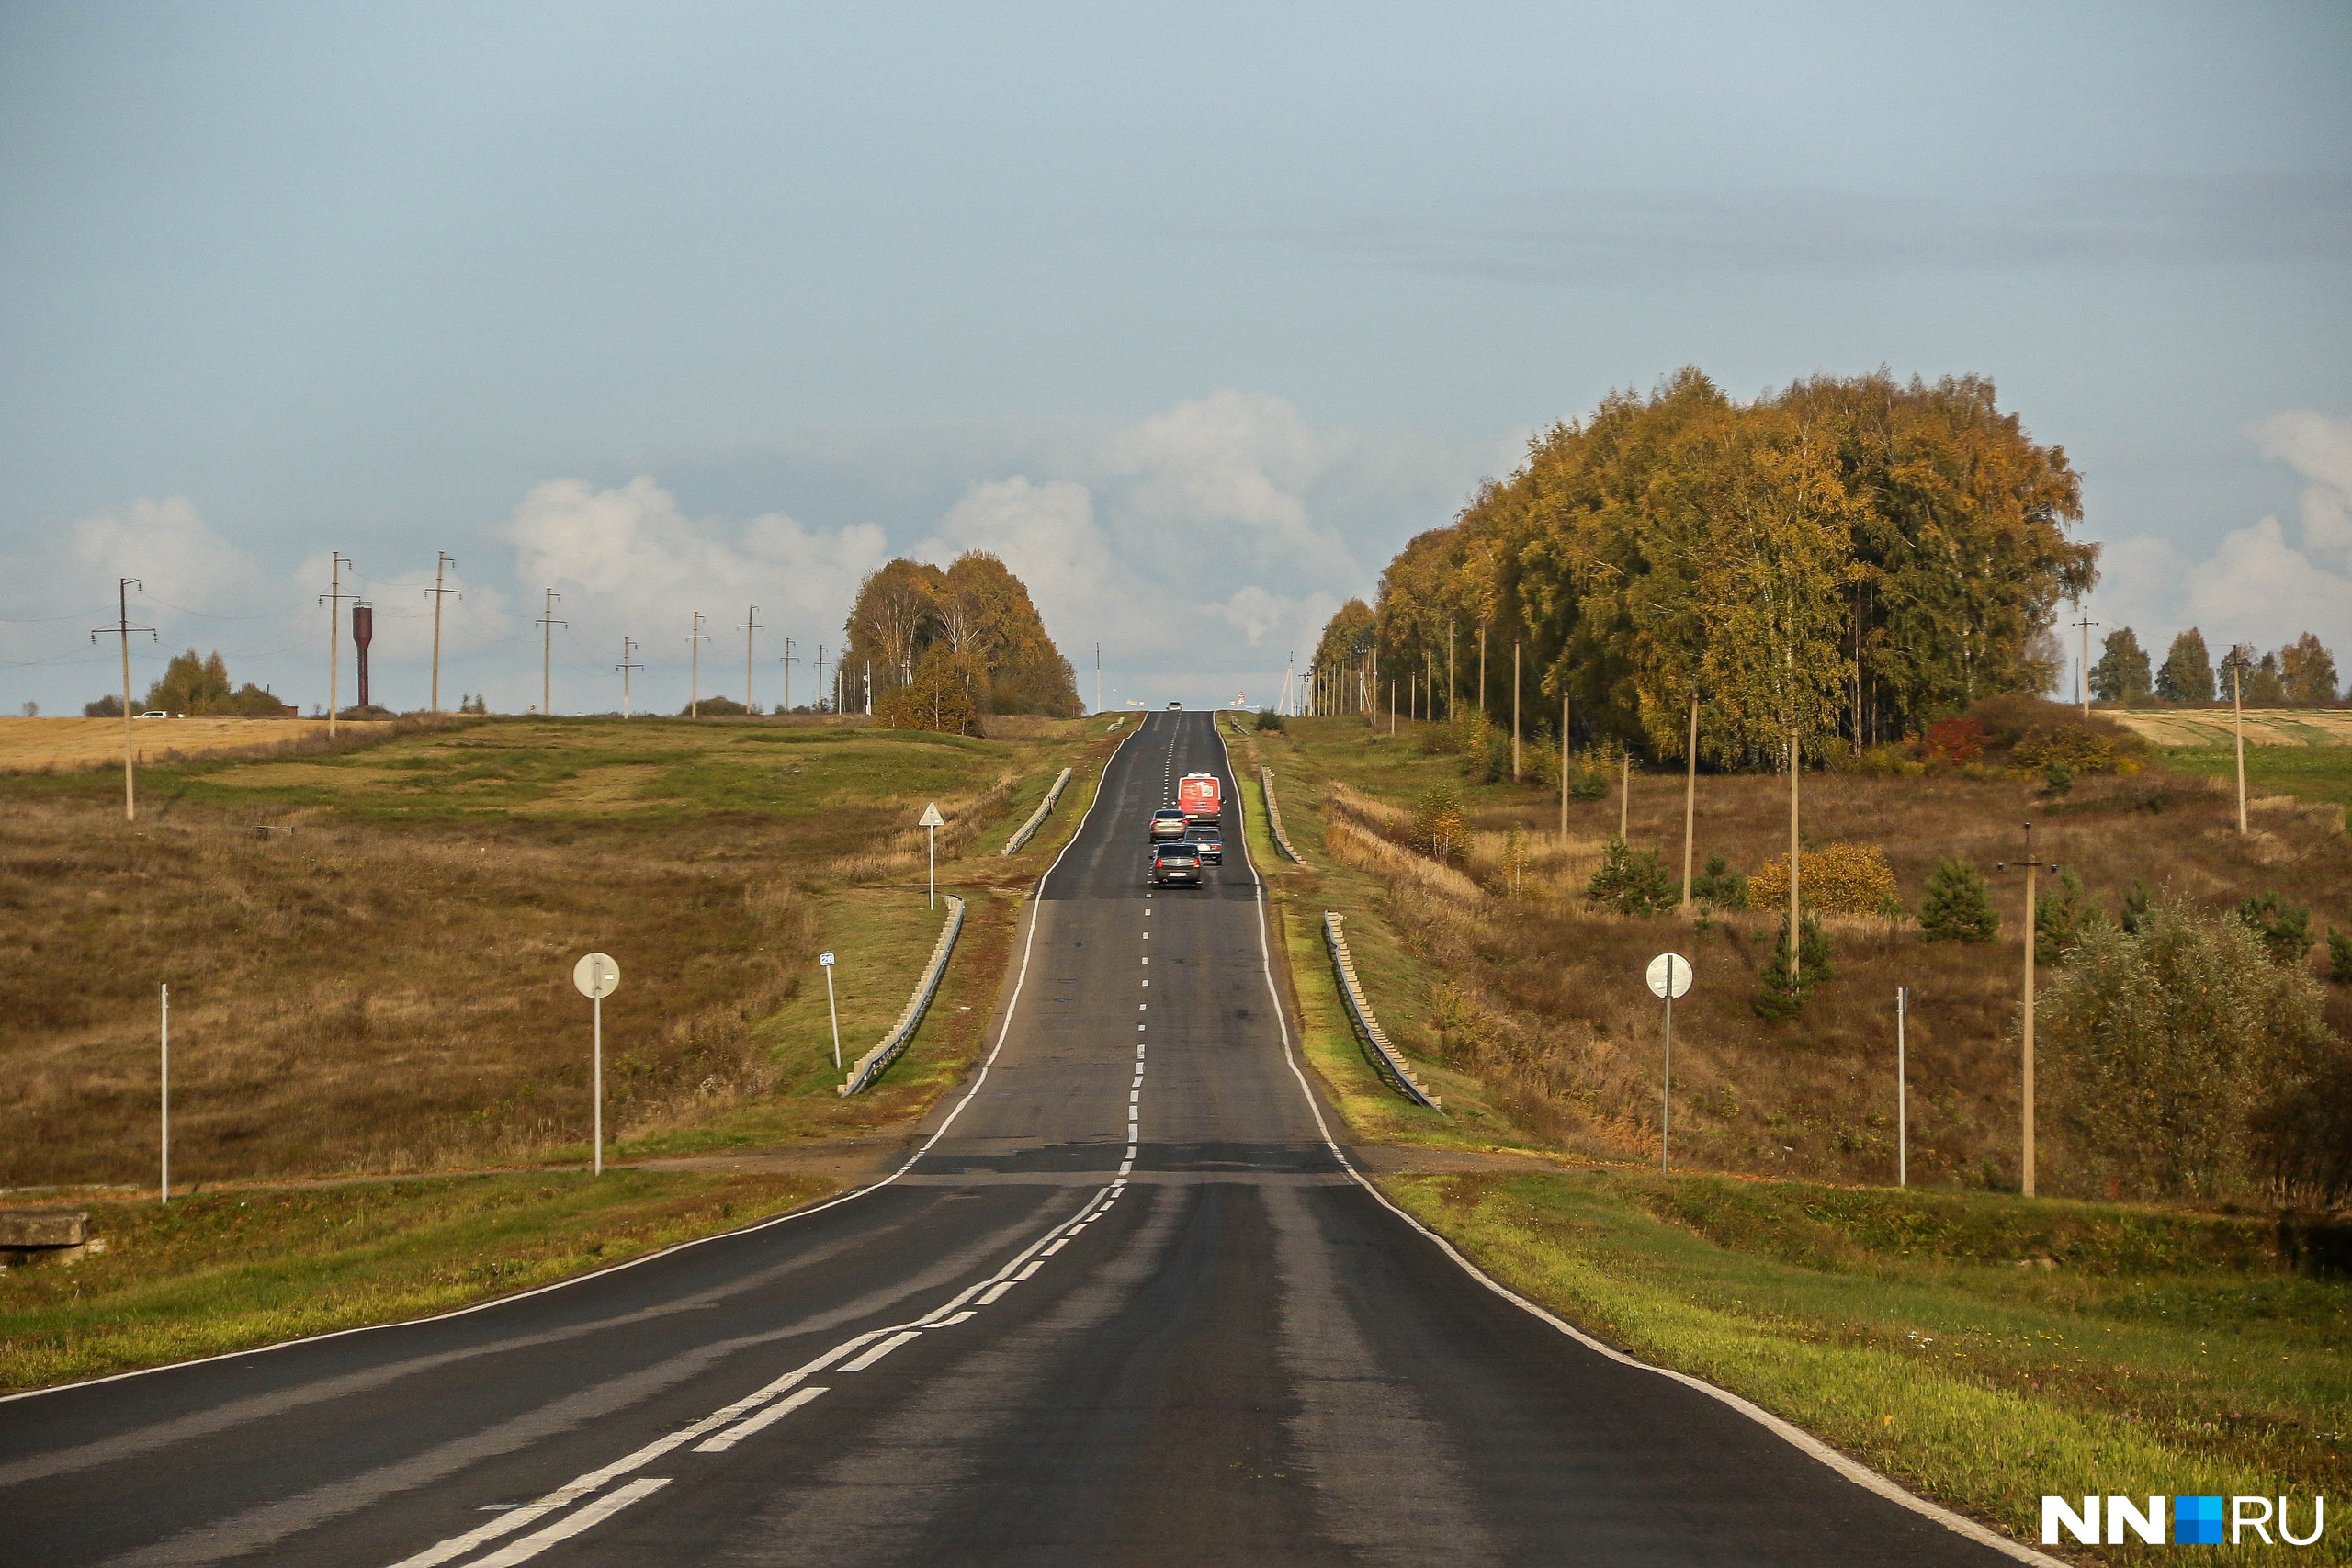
{"points": [[369, 947], [1533, 1004]]}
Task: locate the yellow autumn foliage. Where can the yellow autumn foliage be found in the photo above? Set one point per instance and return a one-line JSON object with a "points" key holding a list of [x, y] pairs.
{"points": [[1839, 879]]}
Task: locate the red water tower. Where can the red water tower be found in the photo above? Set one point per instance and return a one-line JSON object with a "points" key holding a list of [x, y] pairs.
{"points": [[362, 632]]}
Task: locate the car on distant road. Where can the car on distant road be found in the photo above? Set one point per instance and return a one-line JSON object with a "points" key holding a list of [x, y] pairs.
{"points": [[1175, 708], [1178, 862], [156, 714], [1209, 841], [1168, 823]]}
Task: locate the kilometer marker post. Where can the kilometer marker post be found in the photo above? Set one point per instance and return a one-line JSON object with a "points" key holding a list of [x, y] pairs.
{"points": [[826, 961]]}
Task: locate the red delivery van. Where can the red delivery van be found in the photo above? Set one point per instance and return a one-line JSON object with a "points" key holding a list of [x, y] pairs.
{"points": [[1196, 794]]}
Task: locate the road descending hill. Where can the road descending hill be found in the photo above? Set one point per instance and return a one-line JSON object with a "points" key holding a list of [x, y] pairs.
{"points": [[1130, 1304]]}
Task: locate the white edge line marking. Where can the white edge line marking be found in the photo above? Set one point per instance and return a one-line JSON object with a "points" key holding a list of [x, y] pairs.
{"points": [[759, 1423], [1036, 898], [1852, 1470], [587, 1518]]}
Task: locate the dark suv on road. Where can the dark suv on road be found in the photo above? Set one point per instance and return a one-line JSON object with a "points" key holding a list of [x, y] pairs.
{"points": [[1177, 863], [1209, 841]]}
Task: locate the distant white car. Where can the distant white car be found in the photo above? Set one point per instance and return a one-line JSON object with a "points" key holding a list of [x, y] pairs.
{"points": [[157, 714]]}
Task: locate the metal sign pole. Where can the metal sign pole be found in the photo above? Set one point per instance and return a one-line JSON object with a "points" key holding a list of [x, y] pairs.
{"points": [[166, 1183], [1666, 1096], [932, 819], [596, 976], [1901, 1122]]}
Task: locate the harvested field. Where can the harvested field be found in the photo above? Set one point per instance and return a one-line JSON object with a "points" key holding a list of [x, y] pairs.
{"points": [[2212, 726], [32, 745]]}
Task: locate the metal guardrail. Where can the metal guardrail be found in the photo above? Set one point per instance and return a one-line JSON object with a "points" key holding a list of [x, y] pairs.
{"points": [[870, 1065], [1351, 989], [1037, 819], [1274, 816]]}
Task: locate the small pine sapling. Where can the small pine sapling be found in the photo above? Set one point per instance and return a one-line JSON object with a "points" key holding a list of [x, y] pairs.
{"points": [[1955, 907]]}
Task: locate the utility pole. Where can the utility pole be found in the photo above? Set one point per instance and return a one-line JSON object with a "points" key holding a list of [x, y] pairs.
{"points": [[2237, 727], [123, 627], [628, 646], [1796, 939], [1514, 710], [2031, 868], [694, 639], [1452, 675], [332, 599], [1564, 763], [547, 624], [2082, 675], [1482, 670], [1625, 789], [1098, 678], [1690, 800], [750, 629], [788, 662], [446, 561], [820, 674]]}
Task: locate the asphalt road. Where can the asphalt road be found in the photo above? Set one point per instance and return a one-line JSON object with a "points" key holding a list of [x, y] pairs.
{"points": [[1129, 1307]]}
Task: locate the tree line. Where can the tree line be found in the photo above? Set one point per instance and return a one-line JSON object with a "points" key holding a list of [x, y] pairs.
{"points": [[2300, 674], [941, 646], [1849, 557]]}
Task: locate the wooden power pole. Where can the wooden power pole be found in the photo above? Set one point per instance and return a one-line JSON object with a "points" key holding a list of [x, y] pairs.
{"points": [[440, 566], [123, 628], [547, 624]]}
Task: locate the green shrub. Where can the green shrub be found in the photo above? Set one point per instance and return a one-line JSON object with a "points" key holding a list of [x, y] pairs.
{"points": [[1440, 829], [1269, 721], [2057, 779], [1632, 883], [2134, 918], [1955, 908], [2183, 1060], [1720, 886], [1779, 997], [2284, 931], [2339, 956], [2061, 918]]}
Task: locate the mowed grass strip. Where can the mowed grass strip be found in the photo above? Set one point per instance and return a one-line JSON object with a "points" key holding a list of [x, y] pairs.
{"points": [[232, 1270], [2162, 1354]]}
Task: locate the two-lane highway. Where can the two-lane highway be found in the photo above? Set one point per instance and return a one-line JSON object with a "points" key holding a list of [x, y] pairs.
{"points": [[1129, 1305]]}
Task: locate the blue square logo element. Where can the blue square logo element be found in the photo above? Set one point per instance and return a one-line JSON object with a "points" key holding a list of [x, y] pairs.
{"points": [[2197, 1521]]}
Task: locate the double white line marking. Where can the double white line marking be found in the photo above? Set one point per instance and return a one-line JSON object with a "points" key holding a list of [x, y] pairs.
{"points": [[754, 1413]]}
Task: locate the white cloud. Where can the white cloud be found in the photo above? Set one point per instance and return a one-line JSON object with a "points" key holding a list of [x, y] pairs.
{"points": [[2259, 585], [1234, 466], [165, 544], [1254, 611], [1047, 534], [626, 560]]}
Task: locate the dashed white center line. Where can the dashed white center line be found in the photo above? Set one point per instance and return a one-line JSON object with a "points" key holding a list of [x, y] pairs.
{"points": [[764, 1419], [876, 1353], [589, 1518]]}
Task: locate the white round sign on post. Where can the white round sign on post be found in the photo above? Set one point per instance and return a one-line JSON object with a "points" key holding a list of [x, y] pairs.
{"points": [[596, 975], [1667, 964]]}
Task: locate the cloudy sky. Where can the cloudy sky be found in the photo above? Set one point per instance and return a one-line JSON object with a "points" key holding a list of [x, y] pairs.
{"points": [[1193, 314]]}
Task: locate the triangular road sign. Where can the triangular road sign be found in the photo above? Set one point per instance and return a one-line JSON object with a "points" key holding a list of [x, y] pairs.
{"points": [[931, 817]]}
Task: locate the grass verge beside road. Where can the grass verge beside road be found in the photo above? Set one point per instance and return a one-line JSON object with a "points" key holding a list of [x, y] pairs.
{"points": [[2161, 1353], [232, 1270]]}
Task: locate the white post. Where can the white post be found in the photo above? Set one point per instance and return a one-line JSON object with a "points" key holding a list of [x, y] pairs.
{"points": [[934, 869], [1665, 1095], [833, 1012], [1902, 1120], [599, 1085], [166, 1184]]}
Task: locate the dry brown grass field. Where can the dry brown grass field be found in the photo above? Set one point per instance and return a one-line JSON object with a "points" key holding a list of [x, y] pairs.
{"points": [[2216, 725], [35, 745], [1538, 1002], [369, 948]]}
